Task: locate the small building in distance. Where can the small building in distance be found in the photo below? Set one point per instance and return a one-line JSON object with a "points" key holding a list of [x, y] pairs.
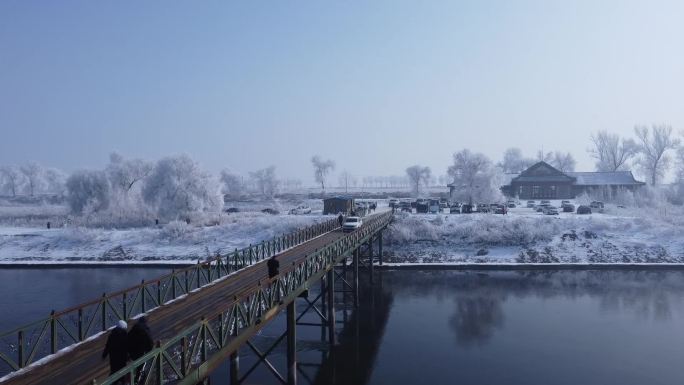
{"points": [[338, 204], [543, 181]]}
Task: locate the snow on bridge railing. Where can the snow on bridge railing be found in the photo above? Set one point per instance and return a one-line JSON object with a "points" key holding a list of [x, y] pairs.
{"points": [[27, 344], [186, 357]]}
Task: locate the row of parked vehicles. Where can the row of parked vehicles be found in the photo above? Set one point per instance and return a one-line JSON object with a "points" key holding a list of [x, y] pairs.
{"points": [[545, 207]]}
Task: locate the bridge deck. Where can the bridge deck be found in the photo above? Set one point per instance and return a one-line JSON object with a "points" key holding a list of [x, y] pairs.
{"points": [[83, 362]]}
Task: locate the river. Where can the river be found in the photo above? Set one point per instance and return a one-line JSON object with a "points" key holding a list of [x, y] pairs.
{"points": [[447, 327]]}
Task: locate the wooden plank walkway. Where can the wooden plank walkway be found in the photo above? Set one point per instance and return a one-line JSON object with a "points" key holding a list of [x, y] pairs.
{"points": [[82, 363]]}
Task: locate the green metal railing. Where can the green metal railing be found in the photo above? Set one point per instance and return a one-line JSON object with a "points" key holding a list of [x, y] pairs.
{"points": [[29, 343], [190, 356]]}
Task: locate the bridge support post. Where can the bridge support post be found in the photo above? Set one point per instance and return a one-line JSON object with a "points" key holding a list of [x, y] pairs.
{"points": [[356, 277], [331, 307], [291, 344], [370, 259], [235, 368], [380, 247]]}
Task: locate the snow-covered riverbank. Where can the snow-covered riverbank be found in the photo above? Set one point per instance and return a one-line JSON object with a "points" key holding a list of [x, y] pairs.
{"points": [[175, 242], [528, 237]]}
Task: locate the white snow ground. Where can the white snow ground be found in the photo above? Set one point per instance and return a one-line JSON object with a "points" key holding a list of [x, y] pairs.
{"points": [[173, 242], [525, 236]]}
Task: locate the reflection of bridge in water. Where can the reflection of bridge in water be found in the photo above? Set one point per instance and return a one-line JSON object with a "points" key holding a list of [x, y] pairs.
{"points": [[204, 314]]}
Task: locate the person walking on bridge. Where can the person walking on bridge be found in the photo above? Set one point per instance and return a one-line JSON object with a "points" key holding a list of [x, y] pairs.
{"points": [[139, 343], [273, 267], [340, 219], [117, 347]]}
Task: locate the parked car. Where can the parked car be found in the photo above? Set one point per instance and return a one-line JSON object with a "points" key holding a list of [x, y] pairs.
{"points": [[351, 224], [564, 202], [596, 205], [500, 209], [405, 206], [393, 203], [550, 210], [270, 211], [531, 204], [483, 208], [568, 208], [231, 210], [299, 210], [546, 202], [443, 204], [455, 209], [540, 208], [583, 210], [466, 209], [434, 206], [422, 206]]}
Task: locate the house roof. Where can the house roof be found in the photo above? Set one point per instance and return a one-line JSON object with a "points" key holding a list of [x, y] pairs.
{"points": [[543, 172], [339, 198], [609, 178]]}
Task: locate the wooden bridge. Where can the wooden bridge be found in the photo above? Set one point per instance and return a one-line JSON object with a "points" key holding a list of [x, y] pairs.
{"points": [[200, 315]]}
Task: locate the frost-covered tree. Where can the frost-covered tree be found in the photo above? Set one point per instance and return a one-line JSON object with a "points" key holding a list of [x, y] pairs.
{"points": [[611, 152], [33, 173], [544, 156], [418, 176], [474, 178], [55, 181], [514, 162], [265, 181], [563, 161], [652, 146], [177, 186], [12, 179], [125, 174], [88, 191], [346, 179], [232, 183], [321, 169]]}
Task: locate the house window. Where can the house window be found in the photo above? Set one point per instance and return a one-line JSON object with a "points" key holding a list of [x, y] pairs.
{"points": [[536, 192]]}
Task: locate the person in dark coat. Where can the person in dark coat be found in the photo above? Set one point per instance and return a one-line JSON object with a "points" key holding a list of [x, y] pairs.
{"points": [[340, 219], [273, 267], [117, 347], [139, 339], [139, 343]]}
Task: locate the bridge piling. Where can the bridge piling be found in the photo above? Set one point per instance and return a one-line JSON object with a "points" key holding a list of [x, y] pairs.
{"points": [[356, 278], [331, 307], [291, 344]]}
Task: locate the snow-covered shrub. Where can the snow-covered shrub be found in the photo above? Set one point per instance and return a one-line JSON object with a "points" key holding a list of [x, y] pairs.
{"points": [[175, 230], [89, 190], [178, 187]]}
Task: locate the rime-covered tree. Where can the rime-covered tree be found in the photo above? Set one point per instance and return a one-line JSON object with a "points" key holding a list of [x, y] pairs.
{"points": [[88, 191], [474, 178], [544, 156], [653, 146], [265, 181], [563, 161], [12, 179], [55, 181], [321, 169], [514, 162], [125, 174], [418, 176], [345, 179], [177, 186], [232, 183], [611, 152], [33, 174]]}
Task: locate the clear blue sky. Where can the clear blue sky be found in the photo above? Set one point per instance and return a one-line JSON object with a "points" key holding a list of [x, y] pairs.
{"points": [[375, 85]]}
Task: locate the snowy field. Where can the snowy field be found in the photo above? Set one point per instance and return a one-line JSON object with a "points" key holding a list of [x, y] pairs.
{"points": [[619, 235], [24, 237]]}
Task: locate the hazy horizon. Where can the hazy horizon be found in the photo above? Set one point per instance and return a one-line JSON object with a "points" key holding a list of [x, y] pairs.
{"points": [[376, 87]]}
